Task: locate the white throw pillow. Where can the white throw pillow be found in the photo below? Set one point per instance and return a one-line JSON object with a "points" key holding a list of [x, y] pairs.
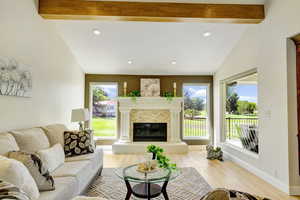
{"points": [[7, 144], [53, 157], [31, 140], [14, 172], [55, 133]]}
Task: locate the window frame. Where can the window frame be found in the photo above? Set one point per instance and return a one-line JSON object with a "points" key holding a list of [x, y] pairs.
{"points": [[223, 96], [208, 110], [91, 85]]}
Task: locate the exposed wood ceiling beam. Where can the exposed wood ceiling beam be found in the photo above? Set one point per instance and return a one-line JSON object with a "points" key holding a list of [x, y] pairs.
{"points": [[150, 11]]}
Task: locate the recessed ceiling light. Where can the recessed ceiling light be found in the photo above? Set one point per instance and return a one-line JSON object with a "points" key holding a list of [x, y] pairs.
{"points": [[174, 62], [207, 34], [130, 62], [96, 32]]}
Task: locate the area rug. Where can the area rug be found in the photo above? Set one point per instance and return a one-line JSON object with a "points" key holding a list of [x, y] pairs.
{"points": [[190, 185]]}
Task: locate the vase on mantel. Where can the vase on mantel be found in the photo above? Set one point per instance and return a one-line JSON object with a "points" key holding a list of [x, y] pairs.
{"points": [[153, 156]]}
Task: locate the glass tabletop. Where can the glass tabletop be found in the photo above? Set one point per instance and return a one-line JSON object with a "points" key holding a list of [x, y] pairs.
{"points": [[158, 175]]}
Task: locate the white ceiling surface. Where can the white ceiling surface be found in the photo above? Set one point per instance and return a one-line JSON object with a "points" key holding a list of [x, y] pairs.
{"points": [[151, 46]]}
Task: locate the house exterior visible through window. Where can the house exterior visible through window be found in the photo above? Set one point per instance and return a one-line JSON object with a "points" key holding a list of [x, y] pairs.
{"points": [[103, 106]]}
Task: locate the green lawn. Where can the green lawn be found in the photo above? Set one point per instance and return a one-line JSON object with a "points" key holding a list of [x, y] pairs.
{"points": [[104, 127], [195, 128], [240, 116]]}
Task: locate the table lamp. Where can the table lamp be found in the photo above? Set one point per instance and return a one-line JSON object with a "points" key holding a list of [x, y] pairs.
{"points": [[80, 115]]}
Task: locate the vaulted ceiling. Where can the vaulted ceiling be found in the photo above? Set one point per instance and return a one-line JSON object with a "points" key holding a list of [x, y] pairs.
{"points": [[151, 47]]}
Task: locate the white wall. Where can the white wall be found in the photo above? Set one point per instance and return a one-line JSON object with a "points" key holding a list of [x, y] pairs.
{"points": [[264, 47], [58, 81]]}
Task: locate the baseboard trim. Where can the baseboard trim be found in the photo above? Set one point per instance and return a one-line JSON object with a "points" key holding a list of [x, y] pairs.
{"points": [[261, 174]]}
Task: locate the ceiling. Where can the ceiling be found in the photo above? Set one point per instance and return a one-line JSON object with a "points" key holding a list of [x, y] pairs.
{"points": [[151, 46]]}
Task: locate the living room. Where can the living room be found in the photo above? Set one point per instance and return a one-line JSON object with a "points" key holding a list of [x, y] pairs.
{"points": [[122, 76]]}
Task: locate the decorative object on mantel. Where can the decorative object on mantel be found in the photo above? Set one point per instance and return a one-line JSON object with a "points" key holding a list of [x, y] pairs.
{"points": [[214, 153], [150, 87], [169, 96], [80, 115], [162, 160], [175, 89], [125, 88], [15, 78], [134, 94]]}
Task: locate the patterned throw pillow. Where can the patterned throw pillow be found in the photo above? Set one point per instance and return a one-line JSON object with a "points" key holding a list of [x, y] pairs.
{"points": [[35, 166], [9, 191], [224, 194], [78, 143]]}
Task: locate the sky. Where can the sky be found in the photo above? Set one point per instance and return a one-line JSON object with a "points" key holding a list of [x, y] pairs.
{"points": [[196, 91], [247, 92], [111, 90]]}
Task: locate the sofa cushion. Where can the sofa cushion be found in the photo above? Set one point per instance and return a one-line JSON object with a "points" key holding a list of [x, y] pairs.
{"points": [[96, 158], [14, 172], [10, 191], [55, 133], [37, 169], [78, 143], [66, 188], [52, 157], [81, 170], [7, 144], [31, 140]]}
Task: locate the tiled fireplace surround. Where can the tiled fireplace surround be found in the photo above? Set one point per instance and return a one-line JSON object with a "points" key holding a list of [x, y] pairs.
{"points": [[149, 110]]}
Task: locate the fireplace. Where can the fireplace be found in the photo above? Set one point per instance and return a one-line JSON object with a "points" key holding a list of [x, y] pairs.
{"points": [[147, 132]]}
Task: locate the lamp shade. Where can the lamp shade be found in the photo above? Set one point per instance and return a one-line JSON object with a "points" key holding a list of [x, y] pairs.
{"points": [[80, 115]]}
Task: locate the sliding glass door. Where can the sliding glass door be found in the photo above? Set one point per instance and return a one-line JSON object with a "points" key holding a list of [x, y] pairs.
{"points": [[103, 106], [196, 123]]}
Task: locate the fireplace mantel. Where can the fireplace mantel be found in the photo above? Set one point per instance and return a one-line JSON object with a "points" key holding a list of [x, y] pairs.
{"points": [[128, 105]]}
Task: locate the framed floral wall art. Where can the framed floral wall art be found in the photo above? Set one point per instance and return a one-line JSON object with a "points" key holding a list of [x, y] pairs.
{"points": [[15, 78], [150, 87]]}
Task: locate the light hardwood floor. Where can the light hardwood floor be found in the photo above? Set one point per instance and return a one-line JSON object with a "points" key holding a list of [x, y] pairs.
{"points": [[218, 174]]}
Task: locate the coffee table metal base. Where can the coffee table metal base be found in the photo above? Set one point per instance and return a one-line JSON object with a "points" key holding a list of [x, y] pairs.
{"points": [[146, 190]]}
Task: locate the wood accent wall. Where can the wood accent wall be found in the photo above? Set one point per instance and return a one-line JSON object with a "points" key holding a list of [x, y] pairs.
{"points": [[133, 82], [166, 84]]}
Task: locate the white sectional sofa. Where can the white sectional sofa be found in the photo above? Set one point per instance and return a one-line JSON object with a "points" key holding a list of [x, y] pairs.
{"points": [[74, 176]]}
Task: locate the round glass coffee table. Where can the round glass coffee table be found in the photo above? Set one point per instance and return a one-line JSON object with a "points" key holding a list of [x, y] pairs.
{"points": [[146, 185]]}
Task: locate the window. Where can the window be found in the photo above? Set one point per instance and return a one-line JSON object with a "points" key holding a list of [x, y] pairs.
{"points": [[104, 109], [196, 111], [241, 112]]}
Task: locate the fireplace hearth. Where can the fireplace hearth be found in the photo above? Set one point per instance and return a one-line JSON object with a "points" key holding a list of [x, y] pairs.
{"points": [[149, 132]]}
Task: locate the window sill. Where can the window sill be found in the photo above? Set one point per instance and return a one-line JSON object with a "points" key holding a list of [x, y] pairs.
{"points": [[241, 150], [196, 138], [104, 138]]}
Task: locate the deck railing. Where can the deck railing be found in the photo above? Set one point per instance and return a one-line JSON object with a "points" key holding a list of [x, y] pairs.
{"points": [[233, 122], [196, 127]]}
